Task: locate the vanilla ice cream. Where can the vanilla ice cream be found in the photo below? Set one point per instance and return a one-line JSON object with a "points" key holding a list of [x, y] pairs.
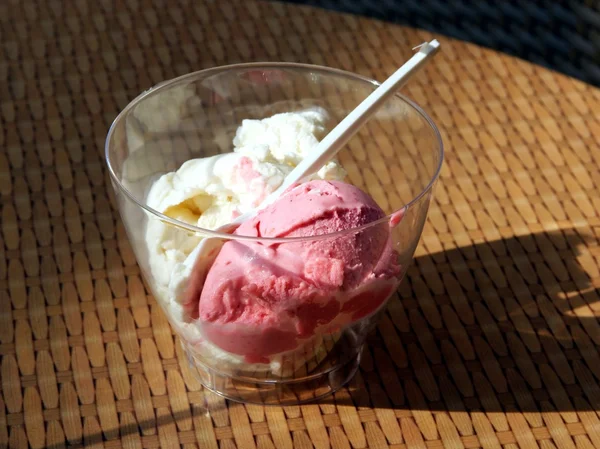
{"points": [[211, 192]]}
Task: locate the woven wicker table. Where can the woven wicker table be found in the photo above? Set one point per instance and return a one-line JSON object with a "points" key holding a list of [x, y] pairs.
{"points": [[493, 340]]}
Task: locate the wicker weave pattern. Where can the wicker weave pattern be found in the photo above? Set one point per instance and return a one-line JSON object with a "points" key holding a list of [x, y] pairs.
{"points": [[493, 341], [561, 35]]}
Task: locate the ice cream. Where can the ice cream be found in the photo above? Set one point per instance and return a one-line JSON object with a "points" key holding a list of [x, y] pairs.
{"points": [[210, 192], [262, 299], [264, 306]]}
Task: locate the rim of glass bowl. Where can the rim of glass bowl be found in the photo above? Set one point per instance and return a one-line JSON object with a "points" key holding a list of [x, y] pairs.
{"points": [[266, 66]]}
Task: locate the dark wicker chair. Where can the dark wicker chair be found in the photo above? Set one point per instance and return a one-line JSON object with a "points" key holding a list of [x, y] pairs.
{"points": [[561, 35]]}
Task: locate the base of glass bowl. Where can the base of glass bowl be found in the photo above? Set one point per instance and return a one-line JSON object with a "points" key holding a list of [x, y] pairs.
{"points": [[332, 374]]}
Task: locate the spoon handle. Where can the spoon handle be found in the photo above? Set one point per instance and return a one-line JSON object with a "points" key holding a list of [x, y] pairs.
{"points": [[337, 138]]}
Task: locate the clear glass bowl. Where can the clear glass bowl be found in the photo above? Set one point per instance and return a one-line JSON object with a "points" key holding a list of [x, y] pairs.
{"points": [[396, 158]]}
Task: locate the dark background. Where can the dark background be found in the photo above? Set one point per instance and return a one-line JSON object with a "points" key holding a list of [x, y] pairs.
{"points": [[561, 35]]}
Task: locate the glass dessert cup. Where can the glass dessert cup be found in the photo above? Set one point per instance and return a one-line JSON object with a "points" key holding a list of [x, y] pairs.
{"points": [[395, 158]]}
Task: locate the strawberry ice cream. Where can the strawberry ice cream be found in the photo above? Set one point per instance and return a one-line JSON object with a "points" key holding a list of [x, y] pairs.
{"points": [[264, 299]]}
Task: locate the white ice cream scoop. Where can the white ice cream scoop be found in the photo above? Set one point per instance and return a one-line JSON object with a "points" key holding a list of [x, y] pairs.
{"points": [[205, 253]]}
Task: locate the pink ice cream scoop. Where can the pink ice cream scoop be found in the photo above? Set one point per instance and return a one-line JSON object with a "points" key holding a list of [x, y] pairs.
{"points": [[262, 299]]}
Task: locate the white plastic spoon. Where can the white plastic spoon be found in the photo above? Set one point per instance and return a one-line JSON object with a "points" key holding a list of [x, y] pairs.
{"points": [[205, 253]]}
